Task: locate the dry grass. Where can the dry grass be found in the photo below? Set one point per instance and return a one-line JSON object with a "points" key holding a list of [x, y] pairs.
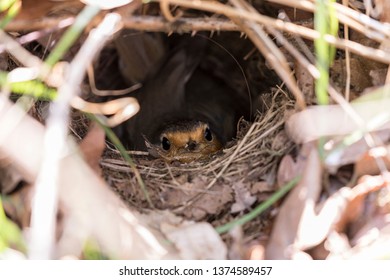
{"points": [[252, 157]]}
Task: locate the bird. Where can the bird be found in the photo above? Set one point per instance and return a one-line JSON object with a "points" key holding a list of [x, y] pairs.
{"points": [[187, 112], [185, 142]]}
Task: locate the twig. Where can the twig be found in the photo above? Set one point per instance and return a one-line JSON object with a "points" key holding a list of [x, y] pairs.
{"points": [[364, 20], [44, 207], [115, 140], [299, 41], [71, 34], [120, 109], [93, 210], [369, 137], [40, 33], [18, 52], [182, 25], [294, 52], [347, 59], [308, 33], [102, 92], [42, 24], [270, 51], [145, 23]]}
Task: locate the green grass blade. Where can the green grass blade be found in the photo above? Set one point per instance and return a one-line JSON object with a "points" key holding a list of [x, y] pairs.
{"points": [[71, 35], [117, 143], [13, 7], [259, 209], [10, 234]]}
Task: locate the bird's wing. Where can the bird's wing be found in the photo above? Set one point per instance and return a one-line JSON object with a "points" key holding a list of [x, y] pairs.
{"points": [[162, 97]]}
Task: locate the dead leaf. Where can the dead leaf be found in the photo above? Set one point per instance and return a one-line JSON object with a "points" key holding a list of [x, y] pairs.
{"points": [[370, 162], [92, 147], [318, 121], [337, 245], [353, 153], [256, 252], [287, 170], [91, 209], [261, 187], [17, 206], [10, 177], [355, 199], [287, 235], [211, 202], [377, 226], [383, 7], [37, 10], [243, 197], [196, 241], [378, 76], [372, 242], [236, 248], [279, 141], [3, 61]]}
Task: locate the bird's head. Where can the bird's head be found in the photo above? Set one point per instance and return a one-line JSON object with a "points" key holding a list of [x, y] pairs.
{"points": [[185, 142]]}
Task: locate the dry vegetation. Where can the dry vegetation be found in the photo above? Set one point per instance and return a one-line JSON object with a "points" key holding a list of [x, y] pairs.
{"points": [[332, 159]]}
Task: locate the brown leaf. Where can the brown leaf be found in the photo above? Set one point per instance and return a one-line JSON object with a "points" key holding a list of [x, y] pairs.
{"points": [[256, 252], [378, 225], [243, 197], [17, 206], [3, 61], [211, 202], [355, 199], [371, 242], [288, 231], [36, 10], [354, 152], [261, 187], [9, 176], [236, 248], [337, 245], [92, 147], [91, 209], [319, 121], [378, 76], [195, 241], [383, 6], [287, 170], [370, 161]]}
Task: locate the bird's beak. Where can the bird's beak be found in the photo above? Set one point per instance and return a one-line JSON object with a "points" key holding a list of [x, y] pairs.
{"points": [[152, 149]]}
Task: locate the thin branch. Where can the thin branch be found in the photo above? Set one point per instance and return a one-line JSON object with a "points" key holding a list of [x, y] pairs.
{"points": [[271, 52], [182, 25], [308, 33], [369, 24], [18, 52], [44, 207], [347, 60], [42, 24]]}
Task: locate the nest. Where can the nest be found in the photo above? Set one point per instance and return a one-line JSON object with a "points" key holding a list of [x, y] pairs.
{"points": [[229, 183], [211, 190]]}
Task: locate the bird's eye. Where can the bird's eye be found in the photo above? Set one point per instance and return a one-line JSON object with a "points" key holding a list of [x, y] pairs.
{"points": [[207, 134], [166, 145]]}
